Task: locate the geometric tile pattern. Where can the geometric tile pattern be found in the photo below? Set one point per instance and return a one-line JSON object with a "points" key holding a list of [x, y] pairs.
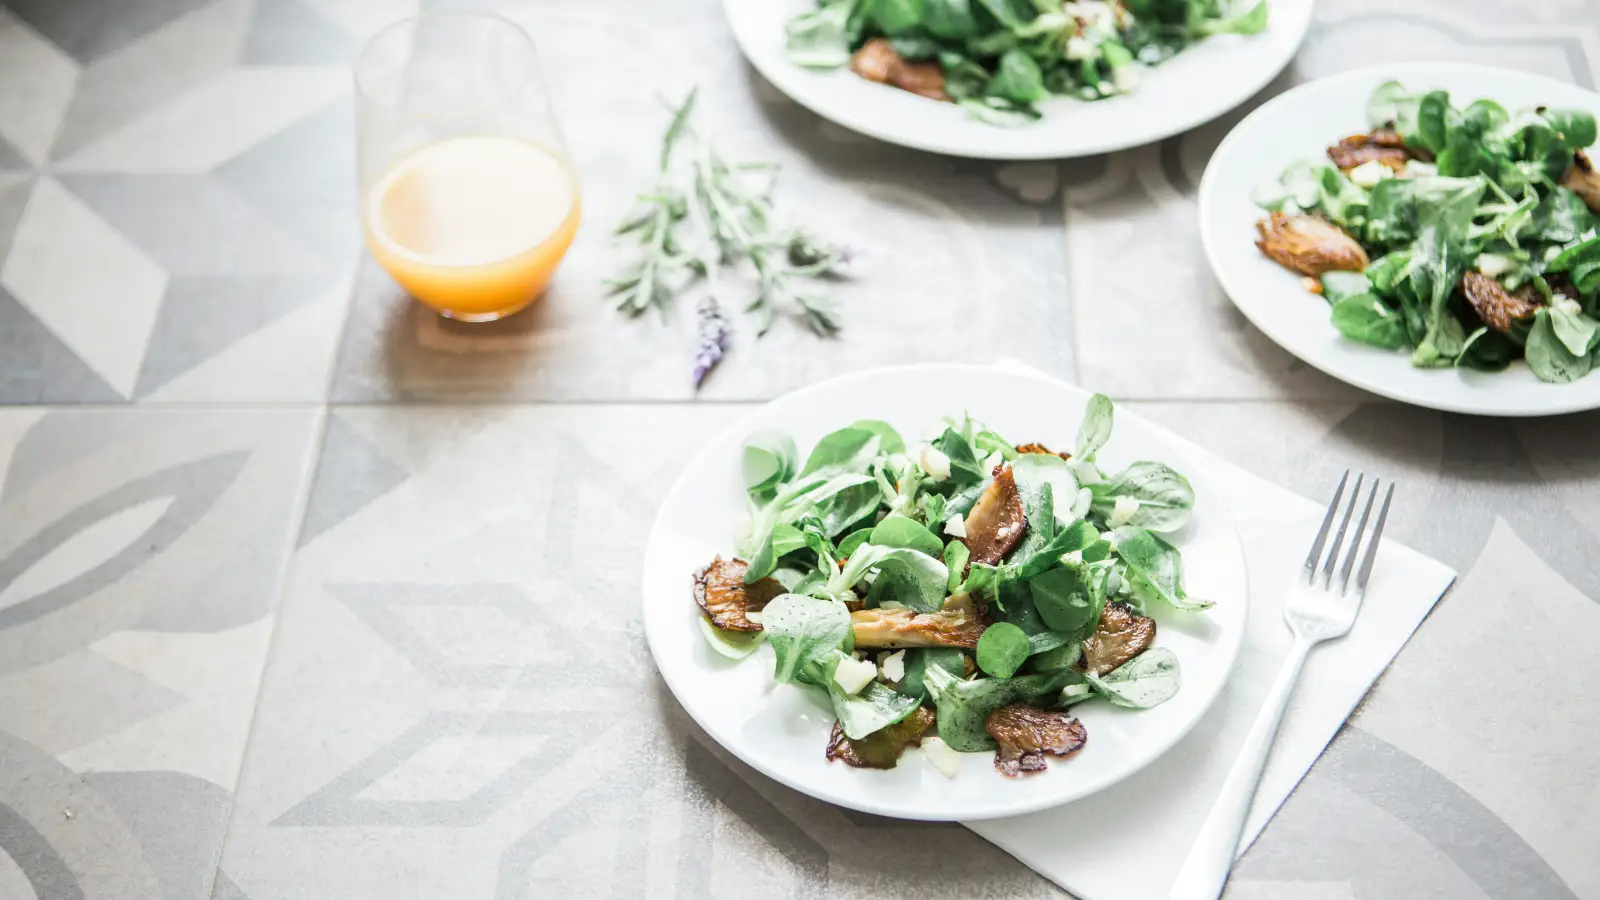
{"points": [[305, 592]]}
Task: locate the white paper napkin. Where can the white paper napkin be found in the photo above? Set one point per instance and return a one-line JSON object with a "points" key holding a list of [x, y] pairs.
{"points": [[1127, 842]]}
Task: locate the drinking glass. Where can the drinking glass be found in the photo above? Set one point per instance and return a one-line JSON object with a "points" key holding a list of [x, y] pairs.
{"points": [[468, 197]]}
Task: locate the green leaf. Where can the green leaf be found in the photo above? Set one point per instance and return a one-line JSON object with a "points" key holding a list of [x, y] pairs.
{"points": [[1069, 598], [849, 507], [767, 462], [904, 575], [803, 631], [1157, 564], [1576, 127], [1436, 268], [783, 539], [949, 19], [896, 17], [854, 539], [1001, 649], [678, 127], [1076, 536], [1338, 285], [1560, 217], [956, 555], [965, 468], [1017, 78], [1384, 105], [816, 40], [877, 706], [920, 659], [1149, 679], [1364, 318], [962, 707], [899, 531], [1165, 497], [731, 644], [1249, 21], [1487, 350], [1434, 120], [1057, 658], [1340, 198], [1587, 251], [1548, 357], [846, 450], [889, 440], [1095, 429], [1575, 330]]}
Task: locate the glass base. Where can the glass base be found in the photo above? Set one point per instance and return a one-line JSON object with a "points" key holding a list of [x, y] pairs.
{"points": [[480, 316]]}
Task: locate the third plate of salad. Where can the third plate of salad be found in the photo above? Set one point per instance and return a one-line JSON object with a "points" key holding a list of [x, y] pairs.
{"points": [[1428, 232]]}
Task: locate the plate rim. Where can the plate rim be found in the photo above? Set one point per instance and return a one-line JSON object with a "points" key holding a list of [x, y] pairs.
{"points": [[1170, 126], [1231, 648], [1207, 197]]}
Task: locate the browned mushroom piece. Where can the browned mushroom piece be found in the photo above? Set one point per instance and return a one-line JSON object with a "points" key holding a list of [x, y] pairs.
{"points": [[1309, 245], [720, 591], [959, 623], [996, 521], [1026, 733], [1120, 635], [1498, 308], [877, 61], [1384, 146], [1582, 180], [882, 748], [1040, 448]]}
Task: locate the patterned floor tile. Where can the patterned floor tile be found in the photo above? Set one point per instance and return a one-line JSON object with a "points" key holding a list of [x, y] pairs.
{"points": [[1135, 262], [458, 703], [141, 554]]}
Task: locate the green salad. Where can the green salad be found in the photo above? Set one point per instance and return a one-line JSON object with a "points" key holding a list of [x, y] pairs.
{"points": [[960, 595], [1465, 236], [999, 58]]}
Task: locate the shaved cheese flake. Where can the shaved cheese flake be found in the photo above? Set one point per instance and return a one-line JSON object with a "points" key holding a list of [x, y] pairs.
{"points": [[940, 754]]}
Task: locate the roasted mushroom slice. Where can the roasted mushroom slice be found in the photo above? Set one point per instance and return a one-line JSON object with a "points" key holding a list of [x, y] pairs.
{"points": [[1308, 245], [1120, 635], [1582, 180], [877, 61], [958, 624], [720, 591], [882, 748], [1040, 448], [996, 521], [1497, 308], [1383, 146], [1026, 733]]}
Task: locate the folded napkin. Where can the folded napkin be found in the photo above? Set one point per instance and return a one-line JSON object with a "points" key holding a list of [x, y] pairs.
{"points": [[1128, 841]]}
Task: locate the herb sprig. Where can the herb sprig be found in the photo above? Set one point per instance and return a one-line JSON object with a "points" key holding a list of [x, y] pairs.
{"points": [[707, 217]]}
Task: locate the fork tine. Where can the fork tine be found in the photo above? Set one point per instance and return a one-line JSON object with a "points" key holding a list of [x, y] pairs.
{"points": [[1372, 549], [1338, 538], [1355, 541], [1327, 520]]}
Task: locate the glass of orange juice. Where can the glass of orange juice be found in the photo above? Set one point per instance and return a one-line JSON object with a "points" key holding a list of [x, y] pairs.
{"points": [[467, 195]]}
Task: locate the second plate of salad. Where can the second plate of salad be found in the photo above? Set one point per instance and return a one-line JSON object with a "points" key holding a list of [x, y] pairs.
{"points": [[1428, 232], [1019, 79], [945, 592]]}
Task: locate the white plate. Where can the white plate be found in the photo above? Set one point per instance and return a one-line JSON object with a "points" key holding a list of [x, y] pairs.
{"points": [[1194, 87], [781, 731], [1300, 124]]}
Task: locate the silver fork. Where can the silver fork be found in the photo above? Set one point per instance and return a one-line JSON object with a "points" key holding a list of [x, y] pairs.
{"points": [[1322, 605]]}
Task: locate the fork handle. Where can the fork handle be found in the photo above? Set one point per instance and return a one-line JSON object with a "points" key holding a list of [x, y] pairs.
{"points": [[1205, 870]]}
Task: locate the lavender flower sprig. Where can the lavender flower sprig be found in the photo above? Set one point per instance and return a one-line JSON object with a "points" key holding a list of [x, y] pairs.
{"points": [[708, 217]]}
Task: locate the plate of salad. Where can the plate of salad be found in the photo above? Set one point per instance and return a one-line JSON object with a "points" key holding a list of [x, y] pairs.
{"points": [[944, 592], [1019, 79], [1427, 232]]}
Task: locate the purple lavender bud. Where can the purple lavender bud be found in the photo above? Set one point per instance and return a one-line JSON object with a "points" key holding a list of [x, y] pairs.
{"points": [[712, 331]]}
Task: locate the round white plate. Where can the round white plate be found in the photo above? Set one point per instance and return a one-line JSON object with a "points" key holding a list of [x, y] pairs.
{"points": [[1196, 86], [781, 731], [1300, 124]]}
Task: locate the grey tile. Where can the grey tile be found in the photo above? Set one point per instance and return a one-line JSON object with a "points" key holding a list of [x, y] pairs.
{"points": [[15, 189], [88, 31], [289, 32], [351, 473], [121, 733], [36, 367], [10, 158]]}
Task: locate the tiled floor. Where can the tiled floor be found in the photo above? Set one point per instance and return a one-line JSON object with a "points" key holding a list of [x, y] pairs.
{"points": [[305, 593]]}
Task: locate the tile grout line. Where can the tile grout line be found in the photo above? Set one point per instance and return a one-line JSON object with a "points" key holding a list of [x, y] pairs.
{"points": [[302, 502]]}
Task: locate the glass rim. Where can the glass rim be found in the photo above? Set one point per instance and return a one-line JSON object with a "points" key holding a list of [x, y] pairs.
{"points": [[412, 21]]}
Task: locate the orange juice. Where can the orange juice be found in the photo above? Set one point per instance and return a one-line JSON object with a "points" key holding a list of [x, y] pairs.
{"points": [[474, 226]]}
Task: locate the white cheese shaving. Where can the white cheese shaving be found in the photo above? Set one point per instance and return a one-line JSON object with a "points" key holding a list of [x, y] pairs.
{"points": [[893, 666], [1122, 513], [753, 616], [956, 527], [935, 463], [940, 754], [1086, 472], [1074, 690], [1081, 49], [854, 674], [1369, 173], [1126, 78]]}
